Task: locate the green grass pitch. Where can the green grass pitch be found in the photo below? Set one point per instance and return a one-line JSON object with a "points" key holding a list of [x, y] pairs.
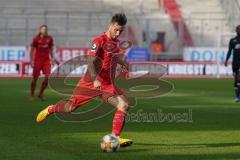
{"points": [[214, 132]]}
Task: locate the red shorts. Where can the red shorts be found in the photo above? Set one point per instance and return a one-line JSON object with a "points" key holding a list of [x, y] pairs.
{"points": [[84, 92], [43, 66]]}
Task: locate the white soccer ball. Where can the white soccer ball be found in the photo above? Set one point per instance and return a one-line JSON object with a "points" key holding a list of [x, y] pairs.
{"points": [[110, 143]]}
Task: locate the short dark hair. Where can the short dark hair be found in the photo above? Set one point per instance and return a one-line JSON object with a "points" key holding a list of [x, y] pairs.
{"points": [[119, 18], [237, 28]]}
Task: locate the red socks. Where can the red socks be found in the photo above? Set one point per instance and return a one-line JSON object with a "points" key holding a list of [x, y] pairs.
{"points": [[118, 122]]}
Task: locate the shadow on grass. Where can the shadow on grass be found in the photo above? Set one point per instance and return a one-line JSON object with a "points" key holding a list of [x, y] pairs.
{"points": [[133, 150], [190, 145]]}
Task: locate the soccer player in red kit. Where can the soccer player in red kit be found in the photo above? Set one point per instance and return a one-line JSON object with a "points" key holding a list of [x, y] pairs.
{"points": [[41, 54], [99, 79]]}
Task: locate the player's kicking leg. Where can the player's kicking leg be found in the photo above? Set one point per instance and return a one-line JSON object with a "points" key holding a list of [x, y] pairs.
{"points": [[63, 106], [59, 107], [81, 95], [119, 118]]}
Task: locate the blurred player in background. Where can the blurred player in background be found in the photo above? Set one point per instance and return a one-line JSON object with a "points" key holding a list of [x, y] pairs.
{"points": [[99, 79], [41, 55], [234, 45]]}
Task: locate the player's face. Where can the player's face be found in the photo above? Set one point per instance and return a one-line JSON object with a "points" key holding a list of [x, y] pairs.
{"points": [[115, 30], [43, 31]]}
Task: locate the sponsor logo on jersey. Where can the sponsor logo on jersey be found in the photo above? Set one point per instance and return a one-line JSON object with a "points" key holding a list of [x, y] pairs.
{"points": [[94, 47]]}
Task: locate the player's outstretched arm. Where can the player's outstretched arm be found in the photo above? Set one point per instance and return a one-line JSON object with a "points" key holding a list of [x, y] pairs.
{"points": [[51, 52], [92, 71], [230, 48], [32, 55], [91, 67], [122, 63]]}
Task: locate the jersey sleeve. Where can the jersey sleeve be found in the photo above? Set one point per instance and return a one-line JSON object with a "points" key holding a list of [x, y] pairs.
{"points": [[95, 47], [34, 42]]}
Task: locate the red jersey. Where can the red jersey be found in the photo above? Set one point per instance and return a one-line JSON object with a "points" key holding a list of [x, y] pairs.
{"points": [[105, 49], [43, 46]]}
